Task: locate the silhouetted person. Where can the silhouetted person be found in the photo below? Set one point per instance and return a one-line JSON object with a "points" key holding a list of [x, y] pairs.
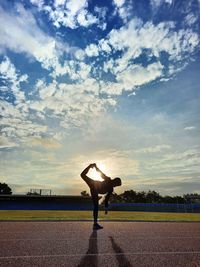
{"points": [[99, 187]]}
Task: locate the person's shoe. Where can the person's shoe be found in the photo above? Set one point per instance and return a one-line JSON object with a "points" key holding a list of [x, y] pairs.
{"points": [[96, 226]]}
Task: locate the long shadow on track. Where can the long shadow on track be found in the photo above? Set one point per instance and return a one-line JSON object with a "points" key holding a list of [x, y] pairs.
{"points": [[122, 260], [91, 256], [89, 260]]}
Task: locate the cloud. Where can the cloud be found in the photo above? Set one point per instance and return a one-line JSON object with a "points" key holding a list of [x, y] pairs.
{"points": [[123, 9], [177, 163], [137, 36], [132, 77], [47, 143], [23, 35], [169, 185], [38, 3], [115, 162], [12, 79], [71, 104], [189, 128], [92, 50], [136, 75], [119, 3], [154, 149], [135, 41], [71, 14], [157, 3], [7, 143], [190, 19]]}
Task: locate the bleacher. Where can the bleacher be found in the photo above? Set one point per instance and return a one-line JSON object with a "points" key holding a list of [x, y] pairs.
{"points": [[40, 202]]}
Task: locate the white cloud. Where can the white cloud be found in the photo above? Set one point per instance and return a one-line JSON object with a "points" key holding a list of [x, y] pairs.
{"points": [[119, 3], [169, 1], [190, 128], [190, 19], [22, 34], [92, 50], [131, 77], [9, 110], [185, 162], [79, 99], [156, 3], [123, 9], [72, 104], [7, 143], [13, 127], [38, 3], [46, 91], [79, 54], [104, 46], [131, 41], [137, 36], [69, 13], [137, 75], [154, 149], [12, 78], [76, 6]]}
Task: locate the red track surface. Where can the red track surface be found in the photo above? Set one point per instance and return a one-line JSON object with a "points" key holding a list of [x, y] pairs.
{"points": [[118, 244]]}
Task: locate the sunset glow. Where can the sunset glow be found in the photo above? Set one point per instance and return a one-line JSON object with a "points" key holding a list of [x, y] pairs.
{"points": [[112, 82]]}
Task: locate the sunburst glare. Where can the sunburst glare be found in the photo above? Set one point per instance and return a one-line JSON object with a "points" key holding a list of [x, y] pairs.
{"points": [[95, 175]]}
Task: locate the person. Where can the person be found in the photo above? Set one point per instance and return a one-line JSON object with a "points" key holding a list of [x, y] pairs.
{"points": [[99, 187]]}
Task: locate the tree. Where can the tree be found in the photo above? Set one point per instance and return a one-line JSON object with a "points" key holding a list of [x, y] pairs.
{"points": [[129, 196], [5, 189], [33, 194], [115, 198], [141, 197], [85, 194], [153, 197]]}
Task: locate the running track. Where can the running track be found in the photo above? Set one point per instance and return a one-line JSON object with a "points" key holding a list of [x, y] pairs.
{"points": [[118, 244]]}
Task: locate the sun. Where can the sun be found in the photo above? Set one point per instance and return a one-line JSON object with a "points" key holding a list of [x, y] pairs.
{"points": [[96, 175]]}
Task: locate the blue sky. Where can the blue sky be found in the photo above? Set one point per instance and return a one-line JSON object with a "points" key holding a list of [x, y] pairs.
{"points": [[113, 82]]}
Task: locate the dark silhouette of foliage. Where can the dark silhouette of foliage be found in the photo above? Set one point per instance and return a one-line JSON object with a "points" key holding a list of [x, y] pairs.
{"points": [[5, 189], [153, 197], [33, 194], [85, 194], [131, 196]]}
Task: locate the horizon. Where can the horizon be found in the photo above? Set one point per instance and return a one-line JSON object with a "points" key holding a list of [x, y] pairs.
{"points": [[79, 195], [114, 83]]}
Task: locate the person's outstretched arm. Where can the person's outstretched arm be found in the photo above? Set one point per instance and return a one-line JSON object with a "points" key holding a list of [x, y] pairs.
{"points": [[103, 176], [86, 170], [106, 201]]}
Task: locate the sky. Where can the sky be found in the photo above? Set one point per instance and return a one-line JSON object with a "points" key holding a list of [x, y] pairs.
{"points": [[113, 82]]}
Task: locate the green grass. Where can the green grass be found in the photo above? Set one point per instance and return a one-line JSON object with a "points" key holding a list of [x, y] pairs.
{"points": [[15, 215]]}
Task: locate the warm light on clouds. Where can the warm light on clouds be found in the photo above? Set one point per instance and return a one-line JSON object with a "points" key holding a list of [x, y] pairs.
{"points": [[84, 82]]}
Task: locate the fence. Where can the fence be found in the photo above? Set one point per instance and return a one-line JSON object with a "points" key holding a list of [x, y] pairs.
{"points": [[23, 202], [159, 207]]}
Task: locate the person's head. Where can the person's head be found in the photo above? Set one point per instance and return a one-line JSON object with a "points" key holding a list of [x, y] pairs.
{"points": [[116, 182]]}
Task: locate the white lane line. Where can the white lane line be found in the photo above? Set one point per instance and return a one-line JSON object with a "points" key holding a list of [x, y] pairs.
{"points": [[102, 254], [86, 239]]}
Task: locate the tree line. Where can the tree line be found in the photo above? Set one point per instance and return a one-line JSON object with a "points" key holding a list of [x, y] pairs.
{"points": [[131, 196]]}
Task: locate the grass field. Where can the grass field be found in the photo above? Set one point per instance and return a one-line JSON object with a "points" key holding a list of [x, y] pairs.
{"points": [[50, 215]]}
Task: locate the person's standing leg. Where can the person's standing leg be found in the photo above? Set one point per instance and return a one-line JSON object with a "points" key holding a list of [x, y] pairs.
{"points": [[95, 200], [95, 207]]}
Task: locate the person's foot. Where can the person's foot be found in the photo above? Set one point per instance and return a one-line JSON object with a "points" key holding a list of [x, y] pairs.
{"points": [[96, 226]]}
